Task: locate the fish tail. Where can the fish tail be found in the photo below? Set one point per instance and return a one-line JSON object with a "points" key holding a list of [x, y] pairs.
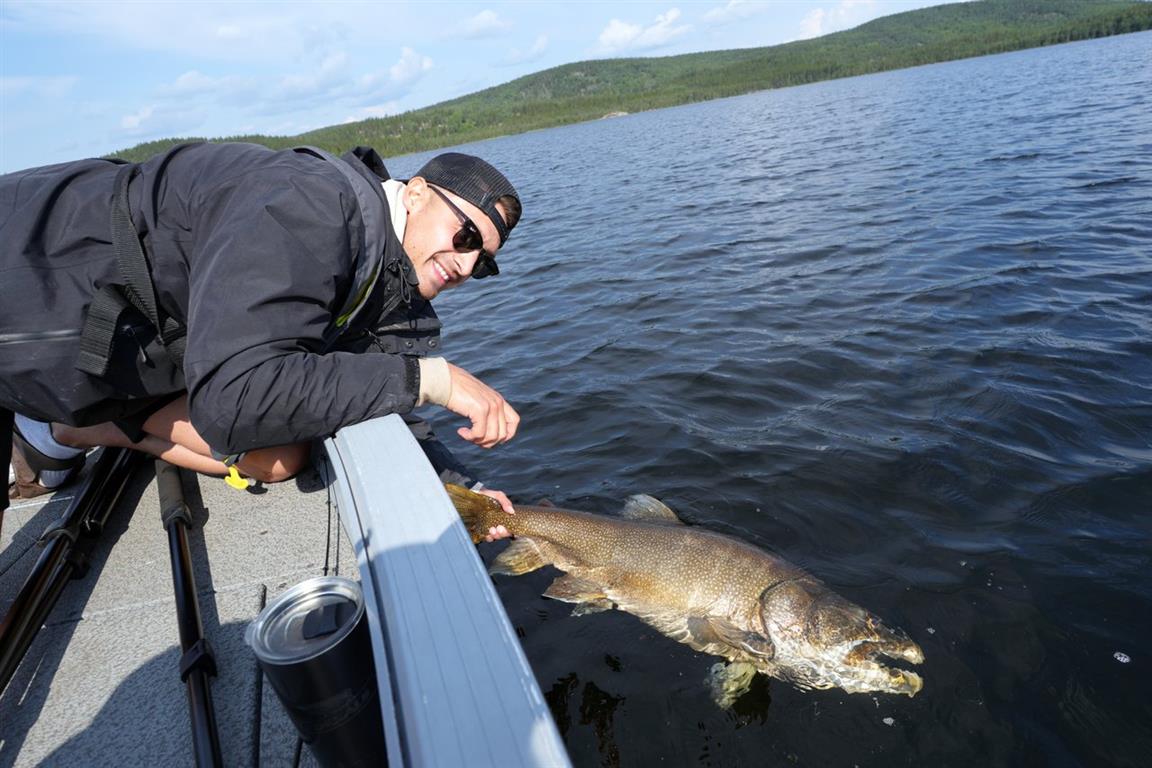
{"points": [[475, 509]]}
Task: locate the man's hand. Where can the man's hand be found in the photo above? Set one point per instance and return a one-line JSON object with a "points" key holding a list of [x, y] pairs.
{"points": [[499, 531], [493, 420]]}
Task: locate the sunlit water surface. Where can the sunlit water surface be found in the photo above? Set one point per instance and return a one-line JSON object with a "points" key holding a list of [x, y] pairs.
{"points": [[895, 328]]}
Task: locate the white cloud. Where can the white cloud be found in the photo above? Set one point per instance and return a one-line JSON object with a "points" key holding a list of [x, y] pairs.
{"points": [[330, 74], [410, 67], [330, 87], [620, 36], [331, 79], [229, 31], [812, 24], [735, 10], [134, 121], [844, 15], [194, 82], [43, 87], [155, 121], [484, 24], [517, 56]]}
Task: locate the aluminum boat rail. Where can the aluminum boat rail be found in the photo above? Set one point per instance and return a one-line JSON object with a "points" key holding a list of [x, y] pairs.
{"points": [[455, 686]]}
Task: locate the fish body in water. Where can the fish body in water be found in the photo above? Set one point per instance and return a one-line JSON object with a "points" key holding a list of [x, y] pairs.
{"points": [[713, 592]]}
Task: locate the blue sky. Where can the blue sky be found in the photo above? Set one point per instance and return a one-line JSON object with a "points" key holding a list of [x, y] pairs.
{"points": [[80, 79]]}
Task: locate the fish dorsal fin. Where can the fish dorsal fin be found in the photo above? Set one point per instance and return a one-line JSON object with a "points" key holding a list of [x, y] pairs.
{"points": [[647, 509], [522, 556]]}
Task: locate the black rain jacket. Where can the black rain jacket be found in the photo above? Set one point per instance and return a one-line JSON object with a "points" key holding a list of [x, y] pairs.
{"points": [[414, 330], [253, 250]]}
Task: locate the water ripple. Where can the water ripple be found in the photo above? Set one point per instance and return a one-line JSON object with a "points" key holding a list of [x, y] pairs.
{"points": [[896, 328]]}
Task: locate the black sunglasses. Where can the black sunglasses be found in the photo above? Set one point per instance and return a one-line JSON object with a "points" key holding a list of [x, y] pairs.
{"points": [[468, 238]]}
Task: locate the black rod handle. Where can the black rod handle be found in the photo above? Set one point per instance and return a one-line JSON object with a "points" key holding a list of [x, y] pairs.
{"points": [[172, 506], [177, 519]]}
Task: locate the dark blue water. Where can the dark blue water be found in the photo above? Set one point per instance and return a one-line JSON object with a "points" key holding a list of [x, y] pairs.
{"points": [[896, 328]]}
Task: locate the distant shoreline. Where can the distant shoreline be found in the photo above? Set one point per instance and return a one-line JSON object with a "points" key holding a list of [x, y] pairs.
{"points": [[593, 90]]}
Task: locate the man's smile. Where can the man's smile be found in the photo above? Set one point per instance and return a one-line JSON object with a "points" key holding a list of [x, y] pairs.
{"points": [[441, 272]]}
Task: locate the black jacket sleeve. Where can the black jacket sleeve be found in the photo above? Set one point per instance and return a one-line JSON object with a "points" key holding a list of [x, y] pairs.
{"points": [[274, 259]]}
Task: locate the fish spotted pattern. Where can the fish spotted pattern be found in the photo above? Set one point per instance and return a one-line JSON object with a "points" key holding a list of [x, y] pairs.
{"points": [[712, 592]]}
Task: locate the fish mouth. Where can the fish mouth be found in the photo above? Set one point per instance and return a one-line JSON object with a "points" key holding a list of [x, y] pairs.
{"points": [[825, 641], [864, 671]]}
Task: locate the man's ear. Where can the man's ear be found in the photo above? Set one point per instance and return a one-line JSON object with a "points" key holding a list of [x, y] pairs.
{"points": [[416, 194]]}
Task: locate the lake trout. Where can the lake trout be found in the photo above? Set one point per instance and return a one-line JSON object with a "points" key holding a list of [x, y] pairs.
{"points": [[713, 592]]}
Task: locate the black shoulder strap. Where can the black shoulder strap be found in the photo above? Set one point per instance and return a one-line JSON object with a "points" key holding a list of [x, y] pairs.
{"points": [[110, 302], [100, 330], [374, 212], [129, 253], [370, 159]]}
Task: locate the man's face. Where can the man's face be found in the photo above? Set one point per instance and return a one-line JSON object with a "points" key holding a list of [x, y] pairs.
{"points": [[428, 237]]}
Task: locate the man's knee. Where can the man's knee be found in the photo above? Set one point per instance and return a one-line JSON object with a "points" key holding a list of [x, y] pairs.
{"points": [[73, 437], [275, 465]]}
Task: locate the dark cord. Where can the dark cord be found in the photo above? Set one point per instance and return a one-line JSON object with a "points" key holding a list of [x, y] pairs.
{"points": [[328, 542]]}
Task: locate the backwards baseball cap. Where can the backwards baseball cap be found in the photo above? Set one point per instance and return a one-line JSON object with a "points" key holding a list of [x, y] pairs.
{"points": [[473, 180]]}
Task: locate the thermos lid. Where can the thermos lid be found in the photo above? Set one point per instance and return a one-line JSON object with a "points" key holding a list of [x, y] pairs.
{"points": [[306, 620]]}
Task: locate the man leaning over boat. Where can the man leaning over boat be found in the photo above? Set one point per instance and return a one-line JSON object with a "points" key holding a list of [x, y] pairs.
{"points": [[221, 306]]}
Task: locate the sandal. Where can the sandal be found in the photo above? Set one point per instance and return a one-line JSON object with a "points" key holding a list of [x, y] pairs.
{"points": [[28, 463]]}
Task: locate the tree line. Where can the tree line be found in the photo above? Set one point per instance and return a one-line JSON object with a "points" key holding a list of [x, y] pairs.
{"points": [[592, 89]]}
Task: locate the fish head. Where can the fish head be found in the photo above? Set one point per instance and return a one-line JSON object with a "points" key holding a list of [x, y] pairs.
{"points": [[825, 641]]}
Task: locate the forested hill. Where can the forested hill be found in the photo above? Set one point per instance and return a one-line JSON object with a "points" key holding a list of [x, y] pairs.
{"points": [[591, 89]]}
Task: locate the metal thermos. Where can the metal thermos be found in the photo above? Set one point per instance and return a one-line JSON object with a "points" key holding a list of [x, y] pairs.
{"points": [[313, 644]]}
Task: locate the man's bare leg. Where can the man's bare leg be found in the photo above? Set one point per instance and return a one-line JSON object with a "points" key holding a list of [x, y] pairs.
{"points": [[271, 465], [109, 434], [169, 435]]}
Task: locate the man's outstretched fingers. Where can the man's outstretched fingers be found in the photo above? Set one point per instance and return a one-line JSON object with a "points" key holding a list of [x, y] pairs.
{"points": [[497, 429], [494, 421], [512, 419]]}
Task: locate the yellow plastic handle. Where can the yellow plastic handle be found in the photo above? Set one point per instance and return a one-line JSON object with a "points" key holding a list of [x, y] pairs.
{"points": [[235, 480]]}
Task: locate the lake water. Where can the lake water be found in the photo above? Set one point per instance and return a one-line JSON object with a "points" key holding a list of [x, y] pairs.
{"points": [[895, 328]]}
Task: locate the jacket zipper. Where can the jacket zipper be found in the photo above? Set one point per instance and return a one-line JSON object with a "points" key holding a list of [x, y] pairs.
{"points": [[23, 338]]}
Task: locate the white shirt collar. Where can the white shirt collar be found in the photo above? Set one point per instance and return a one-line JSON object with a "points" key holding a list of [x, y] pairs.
{"points": [[394, 194]]}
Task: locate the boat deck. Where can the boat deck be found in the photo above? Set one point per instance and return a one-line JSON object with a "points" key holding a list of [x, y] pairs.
{"points": [[100, 684]]}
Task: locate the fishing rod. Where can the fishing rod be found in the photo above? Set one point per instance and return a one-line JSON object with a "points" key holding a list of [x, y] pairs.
{"points": [[67, 547], [198, 663]]}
